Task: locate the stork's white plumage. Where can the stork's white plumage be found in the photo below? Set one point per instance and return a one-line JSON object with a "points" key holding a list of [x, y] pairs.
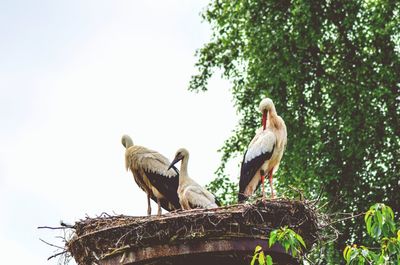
{"points": [[264, 152], [149, 169], [191, 194]]}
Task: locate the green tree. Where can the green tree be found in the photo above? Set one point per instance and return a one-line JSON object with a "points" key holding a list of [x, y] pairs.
{"points": [[333, 71]]}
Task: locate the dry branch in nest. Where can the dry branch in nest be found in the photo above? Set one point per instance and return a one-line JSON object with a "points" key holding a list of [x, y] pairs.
{"points": [[98, 238]]}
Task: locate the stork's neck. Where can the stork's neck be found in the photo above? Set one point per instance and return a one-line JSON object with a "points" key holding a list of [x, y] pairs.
{"points": [[273, 119], [184, 171]]}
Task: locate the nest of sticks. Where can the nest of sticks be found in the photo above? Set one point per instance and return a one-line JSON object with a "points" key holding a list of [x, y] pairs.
{"points": [[97, 238]]}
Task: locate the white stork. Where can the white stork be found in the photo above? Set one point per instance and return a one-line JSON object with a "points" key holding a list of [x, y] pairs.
{"points": [[149, 169], [264, 152], [191, 194]]}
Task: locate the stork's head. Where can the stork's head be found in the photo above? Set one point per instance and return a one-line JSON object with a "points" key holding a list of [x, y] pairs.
{"points": [[179, 155], [126, 141], [266, 104]]}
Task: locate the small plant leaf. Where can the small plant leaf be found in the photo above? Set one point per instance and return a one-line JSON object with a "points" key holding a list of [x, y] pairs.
{"points": [[254, 258], [368, 223], [354, 254], [257, 249], [391, 212], [269, 260], [348, 254], [300, 239], [368, 214], [261, 258], [376, 231], [379, 217], [272, 238], [345, 251], [286, 245]]}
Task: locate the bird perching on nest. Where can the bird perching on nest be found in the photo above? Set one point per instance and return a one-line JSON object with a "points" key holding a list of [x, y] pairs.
{"points": [[149, 169], [264, 152], [191, 194]]}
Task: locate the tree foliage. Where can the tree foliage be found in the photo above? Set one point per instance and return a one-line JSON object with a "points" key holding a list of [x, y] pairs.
{"points": [[333, 71], [381, 227]]}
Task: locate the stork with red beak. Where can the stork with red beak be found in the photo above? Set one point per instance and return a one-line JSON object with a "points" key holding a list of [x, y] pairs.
{"points": [[264, 152]]}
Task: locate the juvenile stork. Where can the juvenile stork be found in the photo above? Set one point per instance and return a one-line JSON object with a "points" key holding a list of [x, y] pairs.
{"points": [[191, 194], [149, 169], [264, 152]]}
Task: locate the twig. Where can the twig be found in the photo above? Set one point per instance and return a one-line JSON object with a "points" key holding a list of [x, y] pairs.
{"points": [[298, 191], [51, 244], [52, 228], [321, 192], [346, 218], [57, 254]]}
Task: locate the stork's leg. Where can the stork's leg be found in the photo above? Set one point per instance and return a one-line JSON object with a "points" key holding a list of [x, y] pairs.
{"points": [[159, 207], [270, 184], [262, 173], [148, 205]]}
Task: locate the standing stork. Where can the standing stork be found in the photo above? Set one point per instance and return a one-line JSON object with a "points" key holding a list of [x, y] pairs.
{"points": [[191, 194], [264, 152], [149, 169]]}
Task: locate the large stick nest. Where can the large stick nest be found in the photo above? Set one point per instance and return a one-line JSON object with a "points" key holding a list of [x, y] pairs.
{"points": [[97, 238]]}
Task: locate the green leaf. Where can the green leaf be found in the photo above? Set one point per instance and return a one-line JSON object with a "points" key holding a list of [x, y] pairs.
{"points": [[386, 229], [375, 231], [373, 256], [379, 217], [257, 249], [391, 248], [349, 255], [294, 251], [368, 214], [381, 259], [272, 238], [361, 260], [254, 258], [269, 260], [368, 222], [286, 245], [390, 211], [345, 253], [300, 239], [353, 254], [392, 227], [261, 258]]}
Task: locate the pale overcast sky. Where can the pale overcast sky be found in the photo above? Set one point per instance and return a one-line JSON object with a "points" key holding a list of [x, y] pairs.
{"points": [[74, 76]]}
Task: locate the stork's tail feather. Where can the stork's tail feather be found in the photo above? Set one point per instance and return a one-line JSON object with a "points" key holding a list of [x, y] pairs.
{"points": [[242, 198], [126, 141]]}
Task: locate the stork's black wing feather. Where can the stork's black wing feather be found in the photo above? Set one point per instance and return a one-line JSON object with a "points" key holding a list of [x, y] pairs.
{"points": [[248, 170], [167, 186]]}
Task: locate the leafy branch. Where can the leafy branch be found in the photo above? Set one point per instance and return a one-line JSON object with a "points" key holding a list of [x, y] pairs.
{"points": [[381, 227], [286, 237]]}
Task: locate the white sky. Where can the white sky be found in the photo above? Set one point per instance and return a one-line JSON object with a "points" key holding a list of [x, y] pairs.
{"points": [[76, 75]]}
